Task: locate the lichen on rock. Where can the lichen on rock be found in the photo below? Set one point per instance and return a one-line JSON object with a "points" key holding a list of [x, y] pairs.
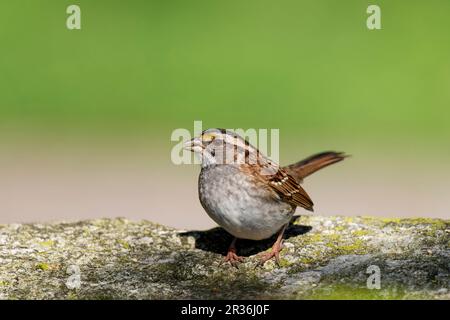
{"points": [[323, 257]]}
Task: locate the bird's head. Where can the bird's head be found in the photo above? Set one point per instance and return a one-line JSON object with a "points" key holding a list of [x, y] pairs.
{"points": [[221, 146]]}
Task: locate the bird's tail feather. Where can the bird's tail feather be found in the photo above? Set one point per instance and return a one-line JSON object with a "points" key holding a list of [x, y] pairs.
{"points": [[304, 168]]}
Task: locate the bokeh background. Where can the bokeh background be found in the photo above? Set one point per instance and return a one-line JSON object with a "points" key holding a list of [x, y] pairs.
{"points": [[86, 115]]}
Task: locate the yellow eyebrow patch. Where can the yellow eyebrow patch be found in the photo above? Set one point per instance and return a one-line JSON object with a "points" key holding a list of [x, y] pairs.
{"points": [[208, 137]]}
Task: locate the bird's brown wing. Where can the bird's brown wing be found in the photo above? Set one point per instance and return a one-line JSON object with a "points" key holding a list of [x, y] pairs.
{"points": [[283, 184], [289, 190]]}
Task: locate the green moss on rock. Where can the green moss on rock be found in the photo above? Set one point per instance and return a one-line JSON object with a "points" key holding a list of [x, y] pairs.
{"points": [[323, 258]]}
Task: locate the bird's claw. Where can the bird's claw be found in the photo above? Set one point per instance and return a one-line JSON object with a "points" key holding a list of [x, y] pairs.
{"points": [[233, 259], [273, 253]]}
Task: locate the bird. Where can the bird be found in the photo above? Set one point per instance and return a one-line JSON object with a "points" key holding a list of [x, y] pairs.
{"points": [[248, 194]]}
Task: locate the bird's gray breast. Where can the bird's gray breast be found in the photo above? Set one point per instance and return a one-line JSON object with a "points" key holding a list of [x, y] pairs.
{"points": [[245, 209]]}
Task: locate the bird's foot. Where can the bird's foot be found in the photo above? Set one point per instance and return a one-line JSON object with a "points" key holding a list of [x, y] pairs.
{"points": [[273, 253], [233, 258]]}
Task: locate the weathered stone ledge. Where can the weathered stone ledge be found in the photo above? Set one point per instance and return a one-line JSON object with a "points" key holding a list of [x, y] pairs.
{"points": [[323, 257]]}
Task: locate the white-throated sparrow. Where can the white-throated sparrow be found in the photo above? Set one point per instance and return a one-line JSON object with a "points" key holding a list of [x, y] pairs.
{"points": [[246, 193]]}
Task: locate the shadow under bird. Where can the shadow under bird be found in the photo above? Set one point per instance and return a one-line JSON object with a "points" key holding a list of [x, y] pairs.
{"points": [[246, 193]]}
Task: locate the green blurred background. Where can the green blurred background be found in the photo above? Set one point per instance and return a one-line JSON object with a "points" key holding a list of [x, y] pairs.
{"points": [[107, 97]]}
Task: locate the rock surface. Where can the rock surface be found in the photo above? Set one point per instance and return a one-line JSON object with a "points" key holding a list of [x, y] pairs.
{"points": [[323, 257]]}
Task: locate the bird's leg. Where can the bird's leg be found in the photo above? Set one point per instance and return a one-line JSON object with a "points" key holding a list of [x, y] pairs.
{"points": [[276, 248], [231, 256]]}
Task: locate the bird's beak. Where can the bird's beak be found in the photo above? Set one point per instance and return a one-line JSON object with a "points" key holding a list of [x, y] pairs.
{"points": [[192, 145]]}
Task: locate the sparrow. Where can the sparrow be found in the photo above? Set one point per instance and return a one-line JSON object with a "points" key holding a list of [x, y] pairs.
{"points": [[248, 194]]}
